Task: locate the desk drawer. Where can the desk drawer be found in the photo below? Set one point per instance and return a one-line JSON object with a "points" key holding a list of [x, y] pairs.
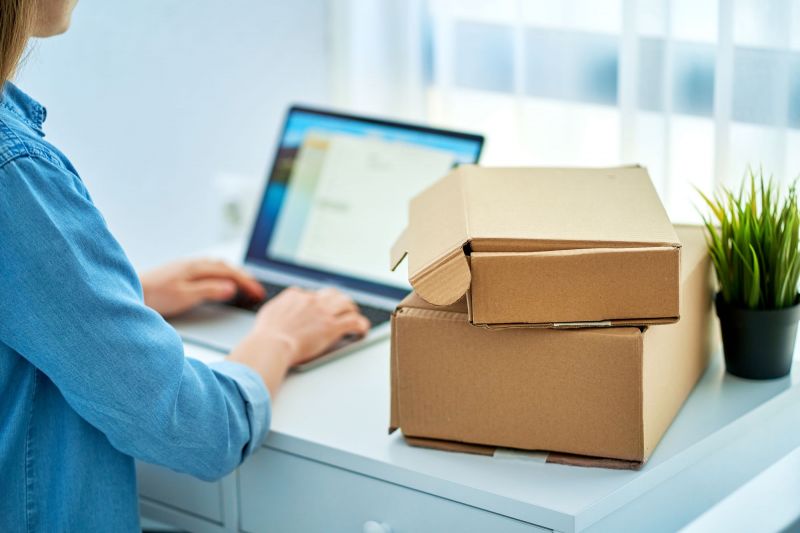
{"points": [[182, 492], [280, 492]]}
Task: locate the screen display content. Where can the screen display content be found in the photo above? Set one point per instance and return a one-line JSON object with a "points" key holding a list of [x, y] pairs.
{"points": [[339, 191]]}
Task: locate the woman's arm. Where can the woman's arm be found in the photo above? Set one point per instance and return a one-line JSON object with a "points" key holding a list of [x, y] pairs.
{"points": [[71, 304]]}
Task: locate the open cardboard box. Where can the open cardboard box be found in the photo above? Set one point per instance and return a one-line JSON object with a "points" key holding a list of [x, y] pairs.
{"points": [[544, 246], [599, 396]]}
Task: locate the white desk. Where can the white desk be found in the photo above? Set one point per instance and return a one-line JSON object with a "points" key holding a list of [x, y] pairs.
{"points": [[329, 465]]}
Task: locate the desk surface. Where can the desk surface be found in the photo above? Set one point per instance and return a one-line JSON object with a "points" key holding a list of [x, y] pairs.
{"points": [[729, 431]]}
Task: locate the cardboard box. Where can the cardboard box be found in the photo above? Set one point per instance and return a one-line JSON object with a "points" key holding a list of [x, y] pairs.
{"points": [[545, 246], [604, 395]]}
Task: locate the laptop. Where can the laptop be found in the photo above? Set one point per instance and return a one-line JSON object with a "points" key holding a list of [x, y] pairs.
{"points": [[336, 198]]}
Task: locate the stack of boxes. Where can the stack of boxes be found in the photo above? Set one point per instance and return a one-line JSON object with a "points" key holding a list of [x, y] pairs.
{"points": [[553, 310]]}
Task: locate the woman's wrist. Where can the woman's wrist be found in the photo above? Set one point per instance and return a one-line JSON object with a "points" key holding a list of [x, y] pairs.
{"points": [[274, 345], [269, 355]]}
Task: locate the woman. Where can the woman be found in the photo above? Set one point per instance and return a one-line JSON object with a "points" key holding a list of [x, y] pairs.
{"points": [[91, 375]]}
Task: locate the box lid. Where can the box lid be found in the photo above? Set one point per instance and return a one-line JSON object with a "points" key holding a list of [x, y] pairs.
{"points": [[521, 210]]}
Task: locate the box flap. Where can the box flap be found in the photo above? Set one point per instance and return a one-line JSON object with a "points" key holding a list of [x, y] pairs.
{"points": [[585, 206], [450, 445], [434, 241], [524, 209], [569, 459], [593, 462]]}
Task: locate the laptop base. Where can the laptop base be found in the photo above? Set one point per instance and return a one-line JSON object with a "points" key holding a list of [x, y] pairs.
{"points": [[221, 327]]}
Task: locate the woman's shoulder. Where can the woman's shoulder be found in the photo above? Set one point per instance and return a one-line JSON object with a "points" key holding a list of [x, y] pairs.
{"points": [[16, 142], [27, 160]]}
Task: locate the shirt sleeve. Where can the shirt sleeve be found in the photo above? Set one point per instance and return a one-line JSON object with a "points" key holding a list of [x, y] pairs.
{"points": [[71, 304]]}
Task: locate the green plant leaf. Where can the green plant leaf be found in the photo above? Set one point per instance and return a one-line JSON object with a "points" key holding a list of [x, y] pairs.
{"points": [[753, 240]]}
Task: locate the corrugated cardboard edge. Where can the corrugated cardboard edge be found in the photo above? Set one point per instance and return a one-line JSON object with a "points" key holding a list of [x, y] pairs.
{"points": [[621, 323], [696, 293], [394, 373], [445, 282], [394, 416], [640, 437], [552, 457]]}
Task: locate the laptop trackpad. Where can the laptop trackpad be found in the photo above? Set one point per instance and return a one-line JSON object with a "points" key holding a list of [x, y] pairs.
{"points": [[219, 327]]}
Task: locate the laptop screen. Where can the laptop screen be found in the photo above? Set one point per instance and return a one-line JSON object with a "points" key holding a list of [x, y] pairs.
{"points": [[338, 195]]}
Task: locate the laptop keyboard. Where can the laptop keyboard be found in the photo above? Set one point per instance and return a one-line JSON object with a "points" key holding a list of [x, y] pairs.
{"points": [[375, 315]]}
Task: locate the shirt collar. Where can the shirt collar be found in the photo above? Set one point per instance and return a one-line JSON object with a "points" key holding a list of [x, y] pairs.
{"points": [[24, 107]]}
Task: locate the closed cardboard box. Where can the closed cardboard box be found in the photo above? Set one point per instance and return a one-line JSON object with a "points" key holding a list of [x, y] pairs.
{"points": [[599, 393], [544, 246]]}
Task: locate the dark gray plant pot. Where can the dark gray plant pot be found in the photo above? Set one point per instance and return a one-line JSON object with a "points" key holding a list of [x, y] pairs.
{"points": [[758, 344]]}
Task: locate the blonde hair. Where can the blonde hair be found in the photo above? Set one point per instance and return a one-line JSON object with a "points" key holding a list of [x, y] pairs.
{"points": [[15, 28]]}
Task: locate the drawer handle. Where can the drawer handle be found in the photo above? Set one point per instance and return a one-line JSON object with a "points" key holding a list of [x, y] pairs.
{"points": [[371, 526]]}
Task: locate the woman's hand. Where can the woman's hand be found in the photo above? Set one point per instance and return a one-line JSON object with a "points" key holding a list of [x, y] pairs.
{"points": [[179, 286], [309, 322], [297, 326]]}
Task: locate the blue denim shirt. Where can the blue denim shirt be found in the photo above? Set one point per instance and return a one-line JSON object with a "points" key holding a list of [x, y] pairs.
{"points": [[91, 378]]}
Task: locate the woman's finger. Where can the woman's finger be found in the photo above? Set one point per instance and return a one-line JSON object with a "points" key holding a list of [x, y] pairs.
{"points": [[352, 324], [336, 301], [209, 268], [210, 289]]}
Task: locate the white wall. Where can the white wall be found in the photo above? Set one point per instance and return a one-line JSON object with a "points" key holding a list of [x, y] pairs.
{"points": [[153, 100]]}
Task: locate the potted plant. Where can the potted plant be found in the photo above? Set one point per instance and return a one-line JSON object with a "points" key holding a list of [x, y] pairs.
{"points": [[753, 240]]}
